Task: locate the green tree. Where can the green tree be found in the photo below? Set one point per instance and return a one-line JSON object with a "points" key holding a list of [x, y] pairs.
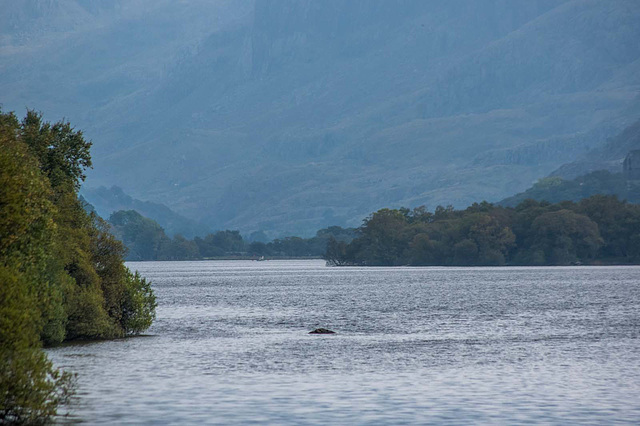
{"points": [[31, 389], [63, 153], [61, 272], [139, 308], [466, 252], [179, 248], [566, 237], [493, 239], [381, 240], [30, 298], [336, 253], [618, 223], [143, 237]]}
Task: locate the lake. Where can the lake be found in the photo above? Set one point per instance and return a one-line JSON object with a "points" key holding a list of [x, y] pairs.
{"points": [[414, 345]]}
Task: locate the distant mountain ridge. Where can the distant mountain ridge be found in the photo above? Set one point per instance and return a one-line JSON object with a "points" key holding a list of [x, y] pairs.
{"points": [[289, 116], [107, 201]]}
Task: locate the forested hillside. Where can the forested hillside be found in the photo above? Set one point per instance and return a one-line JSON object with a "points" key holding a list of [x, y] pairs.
{"points": [[599, 171], [62, 274], [290, 116], [555, 189]]}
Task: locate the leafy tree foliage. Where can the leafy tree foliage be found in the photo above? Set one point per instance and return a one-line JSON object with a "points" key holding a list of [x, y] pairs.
{"points": [[146, 240], [303, 247], [336, 252], [596, 229], [143, 237], [62, 274], [30, 387], [139, 307], [63, 153]]}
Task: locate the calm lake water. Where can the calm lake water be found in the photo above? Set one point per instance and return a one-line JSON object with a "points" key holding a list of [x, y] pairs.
{"points": [[414, 345]]}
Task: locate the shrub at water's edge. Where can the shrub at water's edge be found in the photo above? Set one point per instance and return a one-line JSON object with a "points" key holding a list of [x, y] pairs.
{"points": [[62, 274], [139, 309], [599, 229], [30, 387]]}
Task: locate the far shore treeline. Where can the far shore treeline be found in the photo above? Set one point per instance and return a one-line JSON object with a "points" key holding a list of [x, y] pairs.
{"points": [[62, 273], [596, 230], [600, 229], [145, 239]]}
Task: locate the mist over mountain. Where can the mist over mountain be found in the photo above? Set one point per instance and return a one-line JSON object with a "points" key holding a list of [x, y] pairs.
{"points": [[608, 156], [106, 201], [599, 171], [291, 115]]}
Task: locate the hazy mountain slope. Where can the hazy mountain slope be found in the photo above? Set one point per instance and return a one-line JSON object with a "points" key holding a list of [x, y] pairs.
{"points": [[292, 115], [106, 201], [555, 189], [599, 171], [72, 58], [606, 157]]}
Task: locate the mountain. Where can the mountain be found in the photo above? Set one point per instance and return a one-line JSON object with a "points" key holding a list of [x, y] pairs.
{"points": [[555, 189], [288, 116], [606, 157], [105, 201], [598, 171]]}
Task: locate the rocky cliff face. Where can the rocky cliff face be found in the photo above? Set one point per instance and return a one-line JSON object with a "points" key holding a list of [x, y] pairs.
{"points": [[296, 114]]}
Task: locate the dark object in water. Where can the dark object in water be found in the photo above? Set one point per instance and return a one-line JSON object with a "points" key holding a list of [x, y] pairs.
{"points": [[322, 331]]}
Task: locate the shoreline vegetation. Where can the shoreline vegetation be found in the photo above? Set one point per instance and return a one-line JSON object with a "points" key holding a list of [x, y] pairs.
{"points": [[145, 240], [597, 230], [62, 273]]}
